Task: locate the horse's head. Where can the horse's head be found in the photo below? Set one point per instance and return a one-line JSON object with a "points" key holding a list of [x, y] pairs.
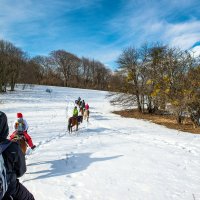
{"points": [[20, 139], [80, 118]]}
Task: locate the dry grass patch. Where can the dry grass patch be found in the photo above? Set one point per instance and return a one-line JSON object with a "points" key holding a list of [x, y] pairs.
{"points": [[167, 120]]}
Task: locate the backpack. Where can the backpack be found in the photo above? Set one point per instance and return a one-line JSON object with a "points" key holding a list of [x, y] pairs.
{"points": [[3, 178]]}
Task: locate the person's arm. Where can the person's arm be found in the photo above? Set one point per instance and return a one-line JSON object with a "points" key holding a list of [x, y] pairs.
{"points": [[20, 165]]}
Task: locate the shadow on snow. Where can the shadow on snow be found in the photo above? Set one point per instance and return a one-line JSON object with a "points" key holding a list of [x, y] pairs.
{"points": [[71, 164]]}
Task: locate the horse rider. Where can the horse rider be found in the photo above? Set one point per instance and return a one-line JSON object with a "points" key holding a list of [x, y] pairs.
{"points": [[83, 104], [87, 107], [75, 112], [79, 101], [21, 127], [77, 115]]}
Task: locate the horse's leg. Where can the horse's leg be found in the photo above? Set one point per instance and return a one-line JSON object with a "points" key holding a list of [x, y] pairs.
{"points": [[83, 116], [87, 117], [69, 127], [77, 125]]}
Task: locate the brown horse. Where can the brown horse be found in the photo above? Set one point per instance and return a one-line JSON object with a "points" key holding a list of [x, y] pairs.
{"points": [[73, 121], [86, 115], [20, 139], [81, 111]]}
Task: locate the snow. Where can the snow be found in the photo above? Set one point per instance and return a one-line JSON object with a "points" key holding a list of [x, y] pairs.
{"points": [[109, 158], [195, 51]]}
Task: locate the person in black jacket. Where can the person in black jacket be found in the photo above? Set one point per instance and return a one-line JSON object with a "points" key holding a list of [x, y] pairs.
{"points": [[15, 165]]}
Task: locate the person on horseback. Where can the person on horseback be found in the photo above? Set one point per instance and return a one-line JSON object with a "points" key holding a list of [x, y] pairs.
{"points": [[73, 121], [15, 165], [82, 104], [79, 101], [86, 112], [87, 106], [21, 127], [81, 108], [75, 112]]}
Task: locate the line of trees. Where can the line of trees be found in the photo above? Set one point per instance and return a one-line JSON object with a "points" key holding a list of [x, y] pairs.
{"points": [[159, 78], [153, 77], [11, 60], [60, 68]]}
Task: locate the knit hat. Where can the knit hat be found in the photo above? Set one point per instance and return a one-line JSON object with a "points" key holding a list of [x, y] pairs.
{"points": [[19, 115]]}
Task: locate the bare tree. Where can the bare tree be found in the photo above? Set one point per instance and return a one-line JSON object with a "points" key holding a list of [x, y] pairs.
{"points": [[65, 62], [11, 60], [129, 64]]}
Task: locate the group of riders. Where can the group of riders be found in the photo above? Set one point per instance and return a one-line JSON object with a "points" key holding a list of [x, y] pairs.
{"points": [[80, 112], [12, 155]]}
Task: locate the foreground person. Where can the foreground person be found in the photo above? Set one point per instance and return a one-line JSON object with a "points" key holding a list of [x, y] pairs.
{"points": [[14, 161]]}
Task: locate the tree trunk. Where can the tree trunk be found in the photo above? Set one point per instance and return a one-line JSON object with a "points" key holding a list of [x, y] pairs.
{"points": [[12, 84], [65, 82], [179, 118]]}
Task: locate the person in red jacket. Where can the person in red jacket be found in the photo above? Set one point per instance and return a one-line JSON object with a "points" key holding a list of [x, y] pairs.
{"points": [[87, 106], [21, 127]]}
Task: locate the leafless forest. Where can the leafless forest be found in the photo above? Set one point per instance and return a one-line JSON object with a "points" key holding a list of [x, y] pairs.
{"points": [[154, 78]]}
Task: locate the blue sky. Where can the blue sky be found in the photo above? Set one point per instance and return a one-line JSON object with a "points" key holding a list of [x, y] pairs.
{"points": [[98, 29]]}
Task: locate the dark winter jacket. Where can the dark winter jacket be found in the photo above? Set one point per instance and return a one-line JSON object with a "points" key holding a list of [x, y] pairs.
{"points": [[83, 104], [13, 157]]}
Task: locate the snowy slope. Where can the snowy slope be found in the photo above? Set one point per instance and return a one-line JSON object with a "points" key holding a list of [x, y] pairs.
{"points": [[109, 158]]}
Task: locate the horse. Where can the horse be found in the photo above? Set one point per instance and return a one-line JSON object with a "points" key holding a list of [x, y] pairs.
{"points": [[80, 119], [86, 115], [81, 111], [73, 121], [21, 140]]}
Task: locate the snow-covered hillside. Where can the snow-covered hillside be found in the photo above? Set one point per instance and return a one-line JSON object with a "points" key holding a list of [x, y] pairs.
{"points": [[109, 158]]}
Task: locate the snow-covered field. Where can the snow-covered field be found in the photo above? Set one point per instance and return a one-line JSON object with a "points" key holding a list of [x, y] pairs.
{"points": [[109, 158]]}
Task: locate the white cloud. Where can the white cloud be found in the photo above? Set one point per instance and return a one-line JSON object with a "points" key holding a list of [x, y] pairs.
{"points": [[185, 41], [148, 23], [183, 35], [139, 21], [31, 13], [106, 55]]}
